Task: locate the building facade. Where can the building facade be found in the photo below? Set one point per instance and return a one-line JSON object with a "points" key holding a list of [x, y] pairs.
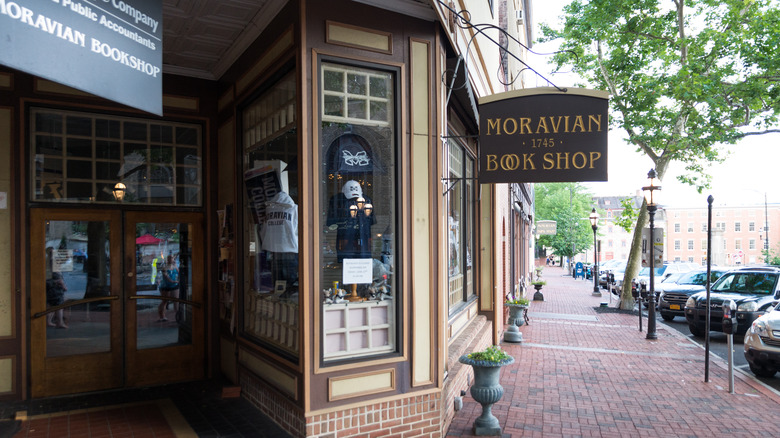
{"points": [[740, 234], [305, 218], [615, 242]]}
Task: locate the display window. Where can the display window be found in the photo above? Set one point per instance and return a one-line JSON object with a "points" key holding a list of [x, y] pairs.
{"points": [[359, 292], [96, 158], [270, 165], [461, 220]]}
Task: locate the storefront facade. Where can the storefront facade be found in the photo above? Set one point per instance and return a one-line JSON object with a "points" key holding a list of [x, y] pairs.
{"points": [[309, 224]]}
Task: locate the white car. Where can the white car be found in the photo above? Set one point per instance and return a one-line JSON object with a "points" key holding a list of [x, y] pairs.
{"points": [[661, 273], [762, 344]]}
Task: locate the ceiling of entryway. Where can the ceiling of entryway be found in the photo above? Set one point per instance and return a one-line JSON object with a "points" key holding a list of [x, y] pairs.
{"points": [[202, 38]]}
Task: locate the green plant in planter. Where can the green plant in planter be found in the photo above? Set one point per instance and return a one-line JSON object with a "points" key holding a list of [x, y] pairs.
{"points": [[487, 388], [518, 301], [493, 354], [539, 283]]}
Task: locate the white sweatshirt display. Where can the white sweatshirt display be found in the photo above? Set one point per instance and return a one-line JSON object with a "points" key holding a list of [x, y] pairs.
{"points": [[280, 230]]}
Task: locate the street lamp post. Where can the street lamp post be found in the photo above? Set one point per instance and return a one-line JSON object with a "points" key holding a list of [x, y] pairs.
{"points": [[594, 218], [652, 186]]}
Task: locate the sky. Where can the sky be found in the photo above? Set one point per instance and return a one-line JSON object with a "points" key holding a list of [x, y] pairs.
{"points": [[749, 175]]}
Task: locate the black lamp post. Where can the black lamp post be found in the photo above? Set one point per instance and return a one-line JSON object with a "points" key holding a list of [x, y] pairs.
{"points": [[594, 218], [652, 186]]}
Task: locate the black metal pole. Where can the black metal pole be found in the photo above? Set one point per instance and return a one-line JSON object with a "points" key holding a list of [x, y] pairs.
{"points": [[707, 312], [595, 270], [651, 298]]}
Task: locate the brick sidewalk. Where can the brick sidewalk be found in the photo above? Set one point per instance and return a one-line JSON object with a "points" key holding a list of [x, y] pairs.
{"points": [[580, 372]]}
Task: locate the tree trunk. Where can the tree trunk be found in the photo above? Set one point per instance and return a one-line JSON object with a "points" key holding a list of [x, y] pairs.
{"points": [[635, 254], [634, 259]]}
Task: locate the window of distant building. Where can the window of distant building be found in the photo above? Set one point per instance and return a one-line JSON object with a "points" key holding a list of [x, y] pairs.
{"points": [[737, 243], [751, 226], [677, 245], [752, 244], [703, 244], [704, 227], [737, 226], [690, 245], [676, 227], [690, 227]]}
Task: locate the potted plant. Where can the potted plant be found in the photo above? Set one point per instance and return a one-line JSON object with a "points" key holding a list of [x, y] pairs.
{"points": [[487, 388], [517, 317], [538, 286]]}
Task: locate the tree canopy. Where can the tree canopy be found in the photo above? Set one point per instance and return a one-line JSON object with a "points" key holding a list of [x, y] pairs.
{"points": [[569, 205], [685, 77]]}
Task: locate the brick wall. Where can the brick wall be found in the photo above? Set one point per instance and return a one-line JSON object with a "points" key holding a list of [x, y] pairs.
{"points": [[427, 415]]}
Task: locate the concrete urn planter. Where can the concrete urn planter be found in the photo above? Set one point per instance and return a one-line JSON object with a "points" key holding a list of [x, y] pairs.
{"points": [[538, 296], [516, 319], [486, 390]]}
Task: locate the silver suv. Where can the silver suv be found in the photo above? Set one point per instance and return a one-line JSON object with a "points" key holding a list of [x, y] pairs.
{"points": [[762, 344]]}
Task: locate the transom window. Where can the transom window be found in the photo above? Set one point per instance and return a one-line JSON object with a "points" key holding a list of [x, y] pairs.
{"points": [[83, 157], [356, 96]]}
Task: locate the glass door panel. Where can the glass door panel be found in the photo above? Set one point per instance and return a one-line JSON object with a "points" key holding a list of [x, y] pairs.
{"points": [[77, 275], [163, 278]]}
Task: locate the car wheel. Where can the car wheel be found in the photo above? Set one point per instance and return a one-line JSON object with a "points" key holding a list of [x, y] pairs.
{"points": [[762, 371], [696, 331], [667, 317]]}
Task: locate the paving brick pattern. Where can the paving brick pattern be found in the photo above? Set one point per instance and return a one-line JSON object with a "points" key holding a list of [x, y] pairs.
{"points": [[587, 373]]}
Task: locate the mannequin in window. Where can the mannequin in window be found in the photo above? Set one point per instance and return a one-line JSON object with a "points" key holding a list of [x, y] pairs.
{"points": [[352, 214], [280, 237]]}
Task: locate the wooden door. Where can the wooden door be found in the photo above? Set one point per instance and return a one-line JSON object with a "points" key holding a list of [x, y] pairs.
{"points": [[75, 301], [164, 325]]}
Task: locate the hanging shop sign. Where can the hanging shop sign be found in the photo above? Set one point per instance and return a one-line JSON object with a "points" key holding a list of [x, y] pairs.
{"points": [[543, 135], [544, 228], [109, 48]]}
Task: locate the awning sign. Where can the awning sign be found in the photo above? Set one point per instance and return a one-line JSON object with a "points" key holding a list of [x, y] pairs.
{"points": [[109, 48], [543, 135]]}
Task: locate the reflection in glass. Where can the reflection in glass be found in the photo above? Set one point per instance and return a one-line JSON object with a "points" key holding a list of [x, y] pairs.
{"points": [[271, 190], [159, 163], [163, 263], [77, 267], [358, 195]]}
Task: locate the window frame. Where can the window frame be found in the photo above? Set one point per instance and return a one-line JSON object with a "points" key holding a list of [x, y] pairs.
{"points": [[468, 156], [398, 300]]}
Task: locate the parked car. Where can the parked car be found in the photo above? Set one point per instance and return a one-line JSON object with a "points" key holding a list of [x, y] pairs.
{"points": [[672, 299], [753, 290], [660, 273], [669, 281], [762, 344], [617, 270]]}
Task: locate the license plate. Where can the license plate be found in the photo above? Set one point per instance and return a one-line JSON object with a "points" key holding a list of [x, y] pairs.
{"points": [[674, 306]]}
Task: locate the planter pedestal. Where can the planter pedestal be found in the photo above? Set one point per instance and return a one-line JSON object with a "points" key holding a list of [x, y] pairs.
{"points": [[516, 318], [538, 294], [486, 390]]}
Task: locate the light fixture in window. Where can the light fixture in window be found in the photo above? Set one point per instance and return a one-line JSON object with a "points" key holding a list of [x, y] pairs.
{"points": [[119, 191]]}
